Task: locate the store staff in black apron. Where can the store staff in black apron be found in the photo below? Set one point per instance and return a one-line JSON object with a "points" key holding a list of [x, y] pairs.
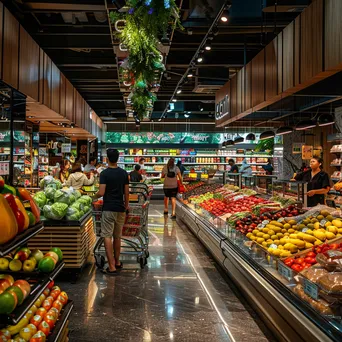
{"points": [[318, 182]]}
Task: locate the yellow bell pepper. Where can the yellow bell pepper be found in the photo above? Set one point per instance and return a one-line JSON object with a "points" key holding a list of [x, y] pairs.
{"points": [[8, 223], [22, 209]]}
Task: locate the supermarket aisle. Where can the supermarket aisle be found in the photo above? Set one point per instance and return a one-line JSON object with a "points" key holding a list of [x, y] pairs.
{"points": [[181, 296]]}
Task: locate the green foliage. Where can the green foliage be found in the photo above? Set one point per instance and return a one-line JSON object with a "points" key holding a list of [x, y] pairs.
{"points": [[143, 26], [265, 145]]}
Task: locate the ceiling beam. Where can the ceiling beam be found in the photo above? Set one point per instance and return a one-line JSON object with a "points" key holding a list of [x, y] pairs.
{"points": [[61, 7]]}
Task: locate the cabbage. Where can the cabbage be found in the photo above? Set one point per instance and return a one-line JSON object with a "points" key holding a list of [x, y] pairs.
{"points": [[72, 214], [86, 209], [49, 181], [77, 194], [40, 199], [59, 210], [72, 198], [62, 196], [78, 205], [87, 198], [50, 192], [83, 200]]}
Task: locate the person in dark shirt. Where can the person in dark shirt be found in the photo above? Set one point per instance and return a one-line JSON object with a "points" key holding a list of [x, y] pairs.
{"points": [[318, 182], [135, 176], [114, 188], [181, 167], [268, 167], [233, 167]]}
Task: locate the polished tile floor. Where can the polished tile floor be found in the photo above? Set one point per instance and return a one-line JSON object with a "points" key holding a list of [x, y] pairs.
{"points": [[180, 296]]}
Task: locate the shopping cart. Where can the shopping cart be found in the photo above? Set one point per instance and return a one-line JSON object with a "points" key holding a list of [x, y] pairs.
{"points": [[135, 230]]}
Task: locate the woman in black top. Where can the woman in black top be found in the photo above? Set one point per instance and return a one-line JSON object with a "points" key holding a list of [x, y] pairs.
{"points": [[318, 182]]}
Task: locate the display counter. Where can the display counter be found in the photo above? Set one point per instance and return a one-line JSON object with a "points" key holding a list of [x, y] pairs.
{"points": [[265, 285]]}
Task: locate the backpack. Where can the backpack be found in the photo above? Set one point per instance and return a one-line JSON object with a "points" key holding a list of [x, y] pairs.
{"points": [[170, 174]]}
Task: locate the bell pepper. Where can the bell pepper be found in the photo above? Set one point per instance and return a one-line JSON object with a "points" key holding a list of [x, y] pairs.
{"points": [[8, 222], [2, 183], [7, 189], [22, 209], [19, 216], [24, 195]]}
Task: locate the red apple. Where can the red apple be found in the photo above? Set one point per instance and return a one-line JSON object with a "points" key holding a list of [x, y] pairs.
{"points": [[24, 286]]}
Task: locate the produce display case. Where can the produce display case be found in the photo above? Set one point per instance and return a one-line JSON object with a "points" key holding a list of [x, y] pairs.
{"points": [[290, 189], [232, 178], [282, 296]]}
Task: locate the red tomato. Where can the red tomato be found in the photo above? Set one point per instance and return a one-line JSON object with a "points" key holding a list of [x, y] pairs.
{"points": [[47, 304], [306, 266], [41, 312], [44, 327], [58, 305], [299, 261], [46, 292], [289, 262], [50, 319], [311, 255], [54, 312], [38, 337], [36, 320], [54, 294], [310, 260], [51, 285], [63, 298], [297, 267]]}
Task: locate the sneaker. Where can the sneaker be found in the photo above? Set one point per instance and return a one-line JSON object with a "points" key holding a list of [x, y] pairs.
{"points": [[173, 217]]}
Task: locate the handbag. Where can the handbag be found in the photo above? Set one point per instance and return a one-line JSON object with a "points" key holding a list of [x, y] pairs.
{"points": [[181, 188]]}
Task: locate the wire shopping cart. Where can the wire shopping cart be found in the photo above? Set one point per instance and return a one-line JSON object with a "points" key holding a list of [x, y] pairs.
{"points": [[135, 230]]}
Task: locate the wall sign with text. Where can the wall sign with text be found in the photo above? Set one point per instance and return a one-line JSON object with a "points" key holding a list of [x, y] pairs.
{"points": [[222, 108]]}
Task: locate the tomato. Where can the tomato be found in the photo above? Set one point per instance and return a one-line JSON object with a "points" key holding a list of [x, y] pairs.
{"points": [[51, 285], [58, 305], [297, 267], [38, 337], [47, 304], [306, 266], [36, 320], [311, 255], [289, 262], [41, 312], [54, 294], [56, 288], [54, 312], [310, 260], [50, 319], [63, 298], [44, 327], [299, 261]]}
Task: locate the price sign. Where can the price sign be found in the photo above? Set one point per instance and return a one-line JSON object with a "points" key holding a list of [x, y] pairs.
{"points": [[66, 148], [311, 289], [323, 222], [304, 230], [193, 175], [285, 271], [281, 219], [204, 176], [274, 246]]}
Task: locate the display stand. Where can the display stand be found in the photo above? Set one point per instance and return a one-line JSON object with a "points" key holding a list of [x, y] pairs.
{"points": [[232, 178], [75, 238]]}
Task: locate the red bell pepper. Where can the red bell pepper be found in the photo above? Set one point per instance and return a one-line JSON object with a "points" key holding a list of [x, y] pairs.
{"points": [[19, 216], [26, 196]]}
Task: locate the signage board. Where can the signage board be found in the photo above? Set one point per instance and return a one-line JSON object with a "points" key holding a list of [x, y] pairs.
{"points": [[66, 148]]}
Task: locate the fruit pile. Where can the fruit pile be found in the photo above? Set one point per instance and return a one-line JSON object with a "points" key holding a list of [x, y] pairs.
{"points": [[192, 185], [27, 261], [40, 320], [202, 190], [12, 293]]}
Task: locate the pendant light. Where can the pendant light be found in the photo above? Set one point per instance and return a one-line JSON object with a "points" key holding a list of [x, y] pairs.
{"points": [[224, 145], [284, 130], [250, 137], [325, 120], [207, 45], [305, 124], [238, 139], [225, 16], [266, 135], [229, 142]]}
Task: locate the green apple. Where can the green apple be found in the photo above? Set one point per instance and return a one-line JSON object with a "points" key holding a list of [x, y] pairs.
{"points": [[4, 263], [37, 254], [7, 302], [15, 265], [18, 292], [58, 252], [46, 265], [29, 265]]}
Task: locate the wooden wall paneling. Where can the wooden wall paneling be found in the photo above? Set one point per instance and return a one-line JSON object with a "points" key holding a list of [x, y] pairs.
{"points": [[1, 34], [332, 34], [288, 56], [47, 80], [55, 88], [297, 50], [243, 89], [69, 100], [311, 41], [279, 40], [62, 98], [258, 78], [271, 69], [10, 50], [28, 65], [248, 94], [41, 77], [239, 92], [78, 109], [233, 96]]}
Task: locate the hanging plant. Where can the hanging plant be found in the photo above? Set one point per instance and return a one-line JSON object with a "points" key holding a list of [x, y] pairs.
{"points": [[144, 22]]}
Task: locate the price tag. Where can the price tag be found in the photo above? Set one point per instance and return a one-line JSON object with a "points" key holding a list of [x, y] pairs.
{"points": [[265, 222], [323, 222], [27, 204], [274, 246], [304, 230], [204, 176], [281, 219], [285, 271], [311, 289]]}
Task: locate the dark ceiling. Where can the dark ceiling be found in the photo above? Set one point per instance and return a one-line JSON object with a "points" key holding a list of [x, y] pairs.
{"points": [[76, 35]]}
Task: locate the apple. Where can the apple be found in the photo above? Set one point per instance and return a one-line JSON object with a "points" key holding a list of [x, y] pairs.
{"points": [[4, 264], [4, 284], [8, 277], [18, 292], [37, 254], [22, 255], [38, 303], [15, 265], [24, 286], [58, 252], [8, 302], [29, 265], [53, 255]]}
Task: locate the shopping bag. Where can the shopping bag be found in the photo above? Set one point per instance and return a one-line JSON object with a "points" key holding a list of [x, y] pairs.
{"points": [[181, 188]]}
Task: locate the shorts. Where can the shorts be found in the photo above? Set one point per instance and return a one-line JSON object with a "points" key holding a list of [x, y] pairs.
{"points": [[171, 192], [111, 224]]}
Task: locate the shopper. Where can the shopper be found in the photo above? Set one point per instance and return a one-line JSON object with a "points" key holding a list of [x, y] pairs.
{"points": [[245, 169], [91, 166], [77, 179], [171, 173], [114, 188], [135, 176], [142, 166], [318, 182], [181, 167], [65, 171], [233, 166], [268, 167]]}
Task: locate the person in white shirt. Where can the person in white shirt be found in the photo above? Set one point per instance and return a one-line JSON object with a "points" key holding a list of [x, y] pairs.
{"points": [[91, 166]]}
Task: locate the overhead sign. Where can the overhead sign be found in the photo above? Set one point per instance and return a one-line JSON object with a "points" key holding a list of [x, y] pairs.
{"points": [[222, 108], [66, 148]]}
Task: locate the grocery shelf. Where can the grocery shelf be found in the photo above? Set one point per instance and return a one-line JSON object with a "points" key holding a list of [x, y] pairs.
{"points": [[21, 239], [199, 156], [197, 163], [36, 291], [4, 154], [61, 323]]}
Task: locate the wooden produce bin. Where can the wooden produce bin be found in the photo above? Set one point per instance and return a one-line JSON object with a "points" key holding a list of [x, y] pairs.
{"points": [[76, 239]]}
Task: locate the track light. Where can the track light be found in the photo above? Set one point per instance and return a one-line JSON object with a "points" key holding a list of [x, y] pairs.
{"points": [[225, 16], [305, 124], [186, 115], [284, 130], [191, 73], [174, 100], [207, 46], [250, 137], [325, 120], [179, 90], [200, 58], [266, 135], [215, 31], [238, 139]]}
